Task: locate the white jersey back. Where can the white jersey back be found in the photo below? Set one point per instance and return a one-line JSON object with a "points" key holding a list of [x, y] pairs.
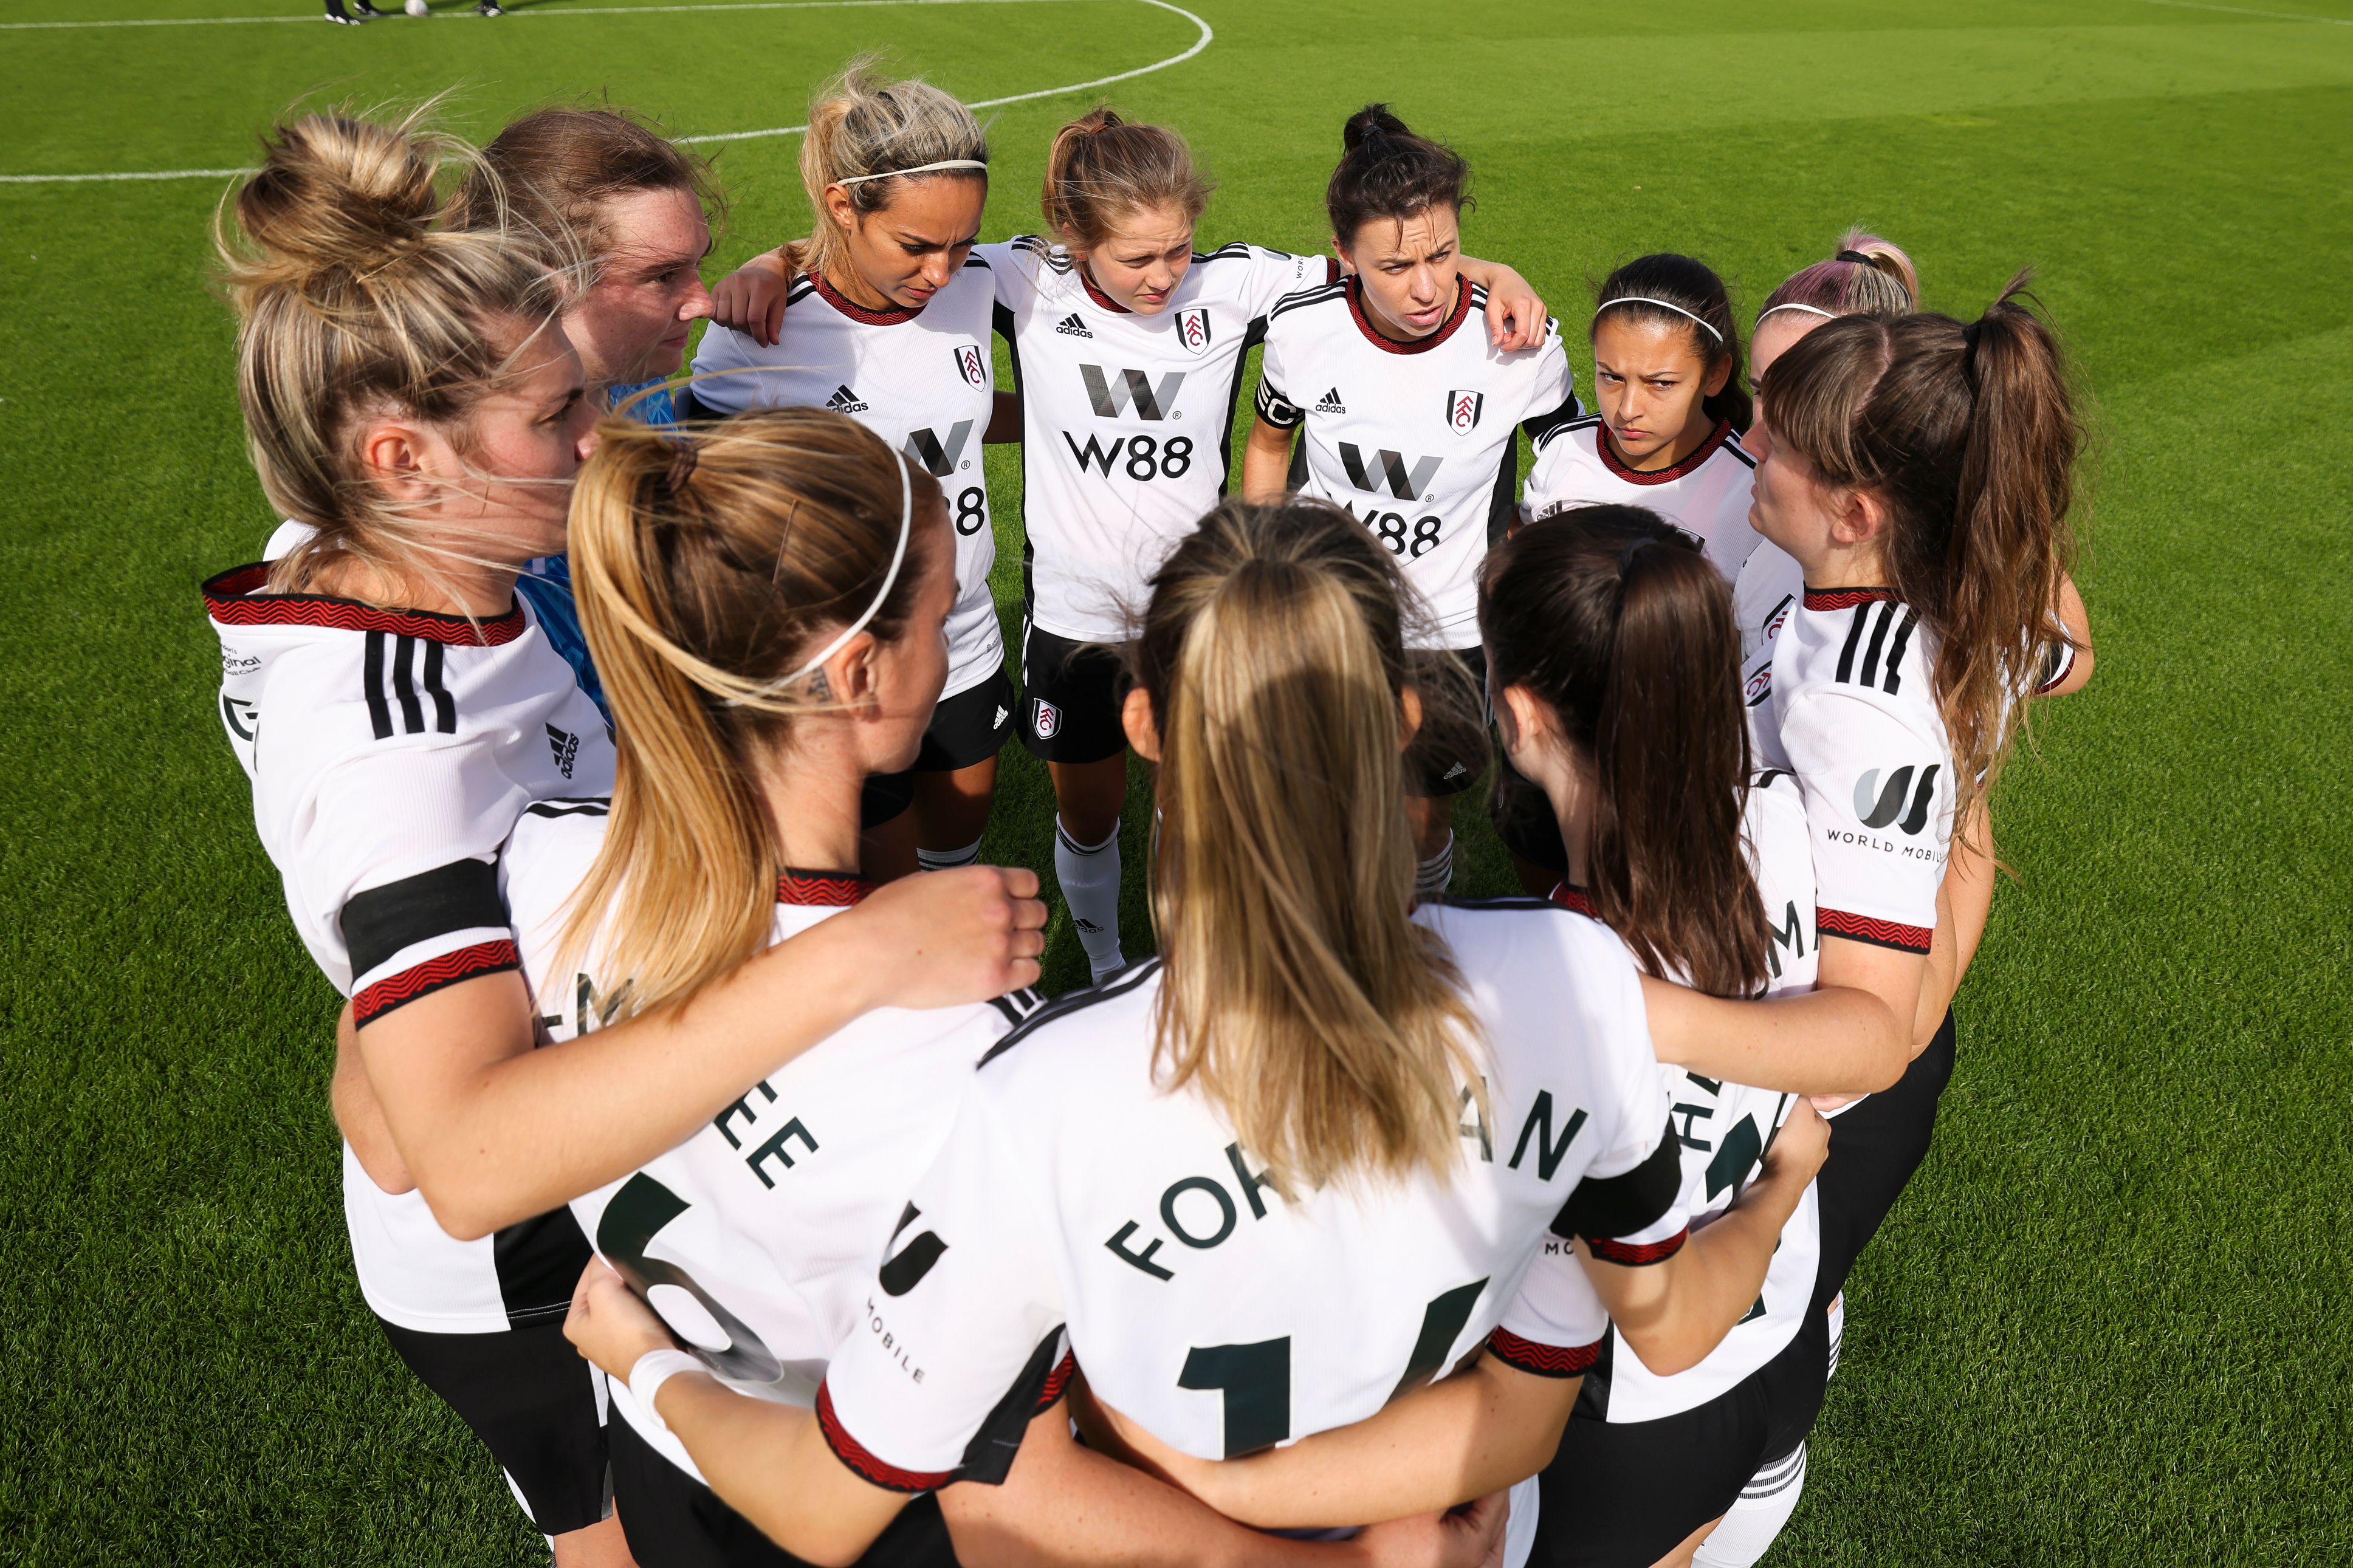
{"points": [[757, 1237], [389, 752], [923, 380], [1724, 1130], [1075, 1193], [1706, 495], [1128, 420], [1415, 439]]}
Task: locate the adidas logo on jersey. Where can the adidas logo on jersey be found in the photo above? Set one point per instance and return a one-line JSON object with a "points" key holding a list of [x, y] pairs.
{"points": [[565, 745], [1071, 326], [1330, 403], [844, 401]]}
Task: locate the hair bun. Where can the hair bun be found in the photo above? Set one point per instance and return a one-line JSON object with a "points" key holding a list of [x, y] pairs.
{"points": [[338, 193], [1373, 119]]}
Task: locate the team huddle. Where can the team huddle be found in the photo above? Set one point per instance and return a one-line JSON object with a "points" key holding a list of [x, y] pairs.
{"points": [[626, 745]]}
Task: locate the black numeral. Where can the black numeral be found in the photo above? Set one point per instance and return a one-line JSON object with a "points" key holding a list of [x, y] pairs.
{"points": [[972, 510], [634, 1216]]}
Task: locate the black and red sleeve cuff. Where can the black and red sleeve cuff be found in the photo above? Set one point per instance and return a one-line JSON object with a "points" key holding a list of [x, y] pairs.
{"points": [[1639, 1254], [867, 1465], [372, 1002], [1892, 934], [1542, 1360], [1604, 1207]]}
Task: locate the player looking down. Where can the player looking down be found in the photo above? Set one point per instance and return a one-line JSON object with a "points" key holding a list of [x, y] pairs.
{"points": [[1410, 422], [769, 596], [411, 395], [1127, 348], [1295, 1167], [890, 320]]}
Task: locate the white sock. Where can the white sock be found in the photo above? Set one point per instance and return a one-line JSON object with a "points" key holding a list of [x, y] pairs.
{"points": [[1089, 874], [1837, 1309], [947, 860], [1765, 1503], [1431, 878]]}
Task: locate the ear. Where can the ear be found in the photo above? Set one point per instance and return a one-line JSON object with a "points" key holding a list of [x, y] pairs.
{"points": [[841, 209], [1860, 516], [393, 452], [1409, 704], [1135, 717], [856, 681], [1528, 728], [1717, 378], [1340, 249]]}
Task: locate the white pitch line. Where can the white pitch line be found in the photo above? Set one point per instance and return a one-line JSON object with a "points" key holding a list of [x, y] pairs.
{"points": [[534, 13], [1198, 44], [2243, 11]]}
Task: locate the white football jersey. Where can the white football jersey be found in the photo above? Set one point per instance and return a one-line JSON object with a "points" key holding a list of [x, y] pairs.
{"points": [[923, 380], [1076, 1196], [1415, 439], [1706, 495], [1128, 420], [756, 1238], [1724, 1130], [1763, 596], [389, 752]]}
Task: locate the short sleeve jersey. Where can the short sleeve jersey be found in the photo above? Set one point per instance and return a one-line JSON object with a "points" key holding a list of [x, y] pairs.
{"points": [[1415, 439], [1706, 495], [1721, 1129], [389, 752], [1851, 709], [1076, 1196], [765, 1226], [923, 380], [1127, 419]]}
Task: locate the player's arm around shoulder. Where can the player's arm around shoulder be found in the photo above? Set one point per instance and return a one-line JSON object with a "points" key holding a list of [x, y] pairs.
{"points": [[751, 300]]}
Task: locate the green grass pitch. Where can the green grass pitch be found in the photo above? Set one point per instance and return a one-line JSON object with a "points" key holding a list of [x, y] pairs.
{"points": [[2108, 1323]]}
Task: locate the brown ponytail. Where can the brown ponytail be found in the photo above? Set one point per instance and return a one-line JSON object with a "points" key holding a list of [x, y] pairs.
{"points": [[708, 565], [1616, 623], [1969, 434], [1101, 169], [1386, 171]]}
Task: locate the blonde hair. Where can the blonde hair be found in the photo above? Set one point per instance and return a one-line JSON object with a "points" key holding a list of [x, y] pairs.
{"points": [[1101, 169], [1868, 276], [1331, 1030], [358, 290], [707, 564], [861, 126]]}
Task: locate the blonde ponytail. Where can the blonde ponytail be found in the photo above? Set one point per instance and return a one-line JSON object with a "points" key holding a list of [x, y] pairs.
{"points": [[1330, 1029], [863, 128]]}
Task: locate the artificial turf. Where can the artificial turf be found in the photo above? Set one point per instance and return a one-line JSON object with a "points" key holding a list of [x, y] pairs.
{"points": [[2105, 1325]]}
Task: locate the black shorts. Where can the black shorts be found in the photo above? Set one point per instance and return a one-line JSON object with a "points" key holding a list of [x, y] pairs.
{"points": [[1874, 1148], [673, 1521], [967, 728], [1624, 1494], [1070, 697], [533, 1402], [1449, 752]]}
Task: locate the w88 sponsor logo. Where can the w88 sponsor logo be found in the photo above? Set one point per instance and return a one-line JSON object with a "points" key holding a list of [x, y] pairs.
{"points": [[1145, 457], [1412, 540]]}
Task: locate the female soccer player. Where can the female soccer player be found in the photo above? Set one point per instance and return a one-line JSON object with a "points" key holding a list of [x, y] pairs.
{"points": [[411, 395], [1410, 422], [891, 320], [1297, 1166], [1612, 651], [1127, 348], [1671, 409], [769, 597]]}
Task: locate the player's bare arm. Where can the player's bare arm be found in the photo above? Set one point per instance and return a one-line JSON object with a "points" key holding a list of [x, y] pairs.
{"points": [[1515, 313], [1838, 1039], [1266, 462], [751, 300], [495, 1132]]}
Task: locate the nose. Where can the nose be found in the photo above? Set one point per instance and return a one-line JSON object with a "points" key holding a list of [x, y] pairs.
{"points": [[936, 272], [697, 305]]}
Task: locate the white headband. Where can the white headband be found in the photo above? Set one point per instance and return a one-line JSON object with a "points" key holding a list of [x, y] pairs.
{"points": [[906, 521], [1662, 304], [1793, 305], [918, 169]]}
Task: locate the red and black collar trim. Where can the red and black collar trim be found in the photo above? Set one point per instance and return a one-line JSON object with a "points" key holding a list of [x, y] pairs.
{"points": [[1375, 336], [1843, 598], [1099, 297], [1691, 465], [821, 890], [889, 317], [232, 600], [1575, 898]]}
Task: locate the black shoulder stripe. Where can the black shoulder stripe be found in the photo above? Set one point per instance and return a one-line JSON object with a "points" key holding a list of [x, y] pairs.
{"points": [[1604, 1207], [1223, 252], [1069, 1002], [379, 921], [1017, 1006], [1320, 294], [801, 288], [1732, 445], [976, 260], [571, 805], [988, 1458]]}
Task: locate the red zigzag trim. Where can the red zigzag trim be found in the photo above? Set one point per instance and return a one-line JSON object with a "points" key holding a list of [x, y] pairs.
{"points": [[1635, 1254], [826, 889], [231, 600], [854, 1454], [1843, 598], [1543, 1360], [482, 958], [1575, 898], [1879, 933], [1058, 1380]]}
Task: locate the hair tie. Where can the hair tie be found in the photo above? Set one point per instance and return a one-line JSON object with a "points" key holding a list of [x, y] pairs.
{"points": [[918, 169], [1857, 257], [1626, 556], [681, 467], [1662, 304], [1969, 336]]}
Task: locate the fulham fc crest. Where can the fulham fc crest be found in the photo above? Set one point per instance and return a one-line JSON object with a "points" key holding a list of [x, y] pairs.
{"points": [[1193, 328], [1463, 409], [1046, 720], [970, 365]]}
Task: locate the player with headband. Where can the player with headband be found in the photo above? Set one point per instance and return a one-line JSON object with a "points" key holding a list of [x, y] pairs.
{"points": [[1128, 350], [1409, 422], [1283, 1176], [410, 393], [891, 318]]}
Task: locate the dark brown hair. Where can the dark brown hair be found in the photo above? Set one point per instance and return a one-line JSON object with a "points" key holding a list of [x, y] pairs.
{"points": [[1387, 171], [1616, 622], [1692, 285], [1101, 168], [555, 168], [1968, 435]]}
